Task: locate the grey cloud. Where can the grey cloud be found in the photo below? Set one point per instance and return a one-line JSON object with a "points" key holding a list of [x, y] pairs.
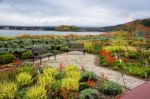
{"points": [[76, 12]]}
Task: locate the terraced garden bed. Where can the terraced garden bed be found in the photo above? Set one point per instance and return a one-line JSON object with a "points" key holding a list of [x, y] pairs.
{"points": [[64, 82]]}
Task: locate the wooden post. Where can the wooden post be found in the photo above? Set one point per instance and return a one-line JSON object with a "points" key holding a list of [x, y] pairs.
{"points": [[116, 55], [54, 56], [145, 76], [146, 65], [67, 52], [40, 60], [33, 60], [84, 52], [123, 80], [48, 57], [122, 75], [38, 65]]}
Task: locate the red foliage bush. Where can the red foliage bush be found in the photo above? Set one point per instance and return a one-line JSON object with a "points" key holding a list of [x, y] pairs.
{"points": [[17, 63], [108, 56], [61, 66], [91, 83], [64, 93]]}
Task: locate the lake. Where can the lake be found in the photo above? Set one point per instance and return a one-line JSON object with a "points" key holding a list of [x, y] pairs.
{"points": [[21, 32]]}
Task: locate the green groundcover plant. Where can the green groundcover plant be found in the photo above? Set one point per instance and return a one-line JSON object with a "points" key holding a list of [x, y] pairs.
{"points": [[110, 88], [7, 58]]}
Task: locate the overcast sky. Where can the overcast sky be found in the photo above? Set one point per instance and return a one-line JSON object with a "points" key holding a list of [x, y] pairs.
{"points": [[72, 12]]}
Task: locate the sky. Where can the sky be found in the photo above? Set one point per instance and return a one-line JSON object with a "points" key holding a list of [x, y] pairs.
{"points": [[72, 12]]}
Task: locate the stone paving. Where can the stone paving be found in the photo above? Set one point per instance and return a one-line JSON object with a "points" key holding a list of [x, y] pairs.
{"points": [[89, 63]]}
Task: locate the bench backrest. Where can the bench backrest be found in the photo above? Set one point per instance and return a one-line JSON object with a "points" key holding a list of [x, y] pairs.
{"points": [[38, 51], [75, 45]]}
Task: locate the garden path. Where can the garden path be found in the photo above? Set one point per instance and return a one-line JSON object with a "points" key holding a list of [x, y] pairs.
{"points": [[89, 62]]}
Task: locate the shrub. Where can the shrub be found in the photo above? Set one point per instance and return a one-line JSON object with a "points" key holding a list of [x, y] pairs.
{"points": [[60, 75], [45, 81], [26, 55], [36, 92], [132, 55], [73, 74], [83, 86], [70, 84], [134, 69], [7, 76], [71, 68], [24, 79], [131, 68], [110, 88], [51, 72], [47, 78], [89, 47], [25, 69], [148, 59], [21, 94], [108, 56], [56, 86], [64, 48], [97, 47], [7, 58], [87, 75], [91, 83], [89, 94], [8, 90], [116, 48], [147, 70], [103, 61], [118, 65]]}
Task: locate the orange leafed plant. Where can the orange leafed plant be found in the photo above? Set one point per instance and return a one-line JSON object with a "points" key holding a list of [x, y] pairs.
{"points": [[108, 56], [61, 66], [104, 76], [91, 83], [82, 68], [17, 62], [64, 93]]}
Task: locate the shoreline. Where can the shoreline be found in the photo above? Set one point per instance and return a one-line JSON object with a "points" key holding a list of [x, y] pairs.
{"points": [[13, 33]]}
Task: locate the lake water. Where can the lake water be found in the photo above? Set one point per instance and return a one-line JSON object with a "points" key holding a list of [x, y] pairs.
{"points": [[21, 32]]}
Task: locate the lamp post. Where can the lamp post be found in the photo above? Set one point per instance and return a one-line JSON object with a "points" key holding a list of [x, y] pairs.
{"points": [[120, 61], [146, 65], [122, 74]]}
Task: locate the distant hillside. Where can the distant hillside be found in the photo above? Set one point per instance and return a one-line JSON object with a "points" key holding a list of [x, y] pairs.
{"points": [[134, 25], [67, 28], [139, 27]]}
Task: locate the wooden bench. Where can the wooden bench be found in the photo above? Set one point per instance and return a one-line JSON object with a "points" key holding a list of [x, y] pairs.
{"points": [[38, 55], [75, 47]]}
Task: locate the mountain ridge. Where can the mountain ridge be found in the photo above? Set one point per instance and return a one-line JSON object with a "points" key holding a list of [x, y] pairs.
{"points": [[132, 26]]}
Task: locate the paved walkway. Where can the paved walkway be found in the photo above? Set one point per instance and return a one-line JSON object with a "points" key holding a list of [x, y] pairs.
{"points": [[89, 63], [141, 92]]}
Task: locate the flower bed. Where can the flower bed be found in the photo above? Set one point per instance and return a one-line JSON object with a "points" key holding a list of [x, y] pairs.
{"points": [[128, 61], [107, 55], [64, 82]]}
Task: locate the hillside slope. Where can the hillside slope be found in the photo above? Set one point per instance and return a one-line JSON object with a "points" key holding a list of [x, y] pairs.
{"points": [[139, 27]]}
